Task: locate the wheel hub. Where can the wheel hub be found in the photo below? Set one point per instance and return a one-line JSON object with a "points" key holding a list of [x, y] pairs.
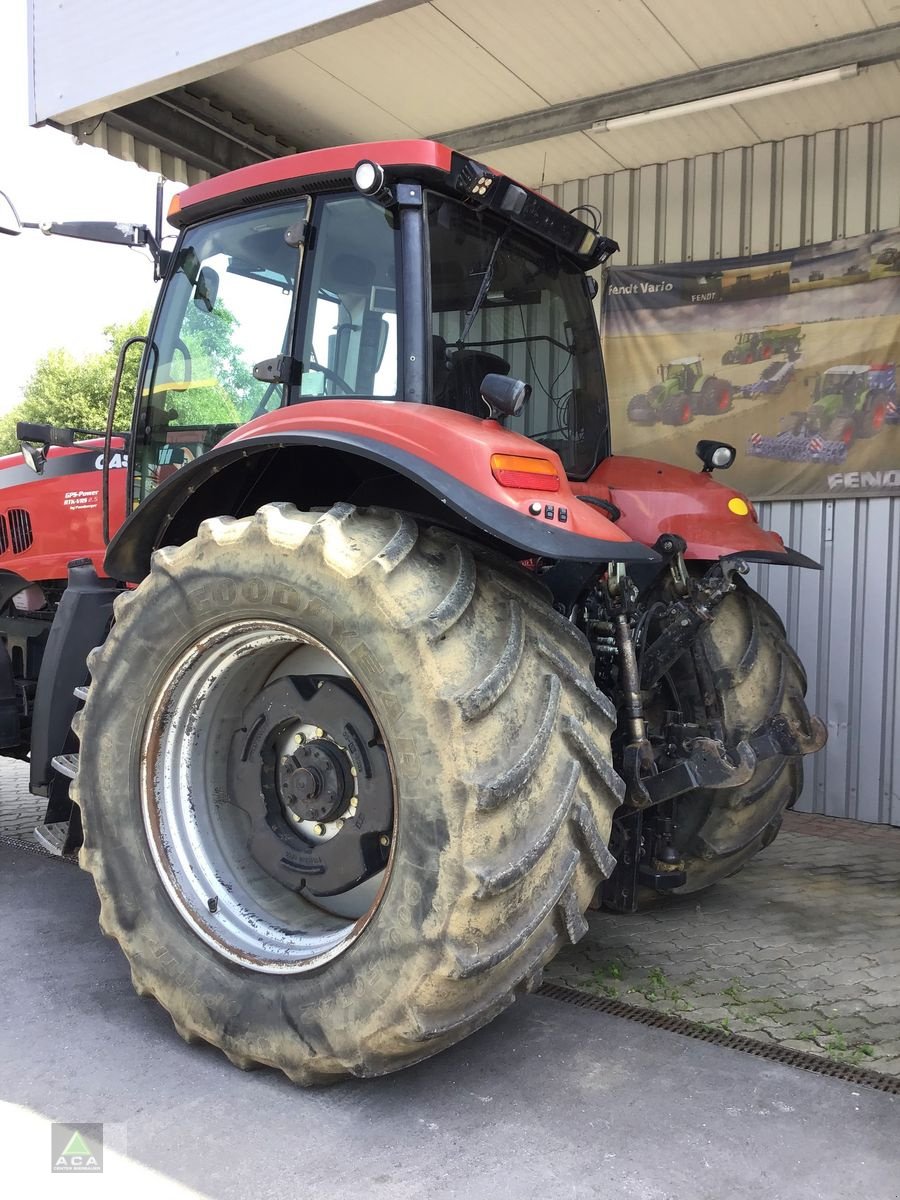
{"points": [[267, 796], [315, 783]]}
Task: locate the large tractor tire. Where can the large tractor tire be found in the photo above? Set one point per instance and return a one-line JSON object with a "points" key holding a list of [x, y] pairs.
{"points": [[678, 410], [641, 410], [292, 701], [715, 396], [752, 675], [873, 415]]}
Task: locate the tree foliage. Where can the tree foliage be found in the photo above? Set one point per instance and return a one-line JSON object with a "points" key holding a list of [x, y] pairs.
{"points": [[64, 390], [69, 391]]}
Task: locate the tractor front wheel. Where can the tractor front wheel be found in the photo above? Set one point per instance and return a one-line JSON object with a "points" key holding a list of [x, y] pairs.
{"points": [[742, 667], [346, 787]]}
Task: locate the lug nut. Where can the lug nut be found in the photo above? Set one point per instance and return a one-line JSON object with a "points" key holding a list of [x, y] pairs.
{"points": [[384, 840], [354, 772], [320, 733], [318, 830], [340, 823]]}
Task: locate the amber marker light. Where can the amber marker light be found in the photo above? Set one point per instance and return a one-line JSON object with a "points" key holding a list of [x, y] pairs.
{"points": [[517, 471], [739, 507], [174, 207]]}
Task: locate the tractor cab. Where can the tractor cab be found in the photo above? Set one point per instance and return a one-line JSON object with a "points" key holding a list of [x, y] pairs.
{"points": [[684, 372], [842, 387], [407, 276]]}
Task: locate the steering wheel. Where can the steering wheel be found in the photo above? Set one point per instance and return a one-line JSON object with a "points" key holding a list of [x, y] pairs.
{"points": [[326, 371], [332, 375], [181, 346]]}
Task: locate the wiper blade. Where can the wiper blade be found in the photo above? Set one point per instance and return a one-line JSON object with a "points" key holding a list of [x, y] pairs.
{"points": [[486, 280]]}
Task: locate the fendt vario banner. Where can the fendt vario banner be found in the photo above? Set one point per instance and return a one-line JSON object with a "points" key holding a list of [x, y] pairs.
{"points": [[791, 357]]}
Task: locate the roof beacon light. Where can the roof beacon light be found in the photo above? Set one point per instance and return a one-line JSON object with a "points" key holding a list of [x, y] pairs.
{"points": [[368, 179]]}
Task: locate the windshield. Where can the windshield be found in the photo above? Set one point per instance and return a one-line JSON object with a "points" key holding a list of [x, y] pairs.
{"points": [[505, 303], [227, 306]]}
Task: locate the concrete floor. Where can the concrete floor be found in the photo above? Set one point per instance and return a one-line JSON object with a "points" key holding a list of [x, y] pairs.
{"points": [[550, 1101]]}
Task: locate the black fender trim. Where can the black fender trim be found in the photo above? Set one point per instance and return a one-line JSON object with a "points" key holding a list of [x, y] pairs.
{"points": [[82, 619], [129, 552], [790, 558]]}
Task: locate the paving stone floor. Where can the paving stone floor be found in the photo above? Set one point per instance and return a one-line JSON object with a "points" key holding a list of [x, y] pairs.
{"points": [[802, 947]]}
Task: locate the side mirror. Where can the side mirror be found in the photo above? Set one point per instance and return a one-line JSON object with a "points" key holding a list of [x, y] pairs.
{"points": [[9, 218], [34, 456]]}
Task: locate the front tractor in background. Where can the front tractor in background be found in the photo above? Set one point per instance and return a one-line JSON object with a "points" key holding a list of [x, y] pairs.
{"points": [[754, 345], [849, 402], [683, 392], [389, 668]]}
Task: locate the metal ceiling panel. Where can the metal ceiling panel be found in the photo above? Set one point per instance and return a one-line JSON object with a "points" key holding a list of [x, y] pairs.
{"points": [[716, 31], [422, 65], [578, 48], [311, 107]]}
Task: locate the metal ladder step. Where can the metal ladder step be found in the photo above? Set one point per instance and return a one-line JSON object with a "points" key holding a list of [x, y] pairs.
{"points": [[65, 764], [52, 837], [81, 693]]}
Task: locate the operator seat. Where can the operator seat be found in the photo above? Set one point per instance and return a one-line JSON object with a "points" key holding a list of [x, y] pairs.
{"points": [[457, 375]]}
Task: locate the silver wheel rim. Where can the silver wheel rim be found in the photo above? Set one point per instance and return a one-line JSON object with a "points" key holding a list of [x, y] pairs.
{"points": [[197, 831]]}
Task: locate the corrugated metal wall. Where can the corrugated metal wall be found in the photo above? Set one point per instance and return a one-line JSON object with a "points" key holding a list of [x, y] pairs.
{"points": [[845, 622]]}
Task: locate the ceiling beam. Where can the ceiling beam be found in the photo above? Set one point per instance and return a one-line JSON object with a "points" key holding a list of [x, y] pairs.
{"points": [[193, 129], [573, 116]]}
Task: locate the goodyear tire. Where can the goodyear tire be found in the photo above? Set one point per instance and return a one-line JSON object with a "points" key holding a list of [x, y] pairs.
{"points": [[472, 697], [753, 674]]}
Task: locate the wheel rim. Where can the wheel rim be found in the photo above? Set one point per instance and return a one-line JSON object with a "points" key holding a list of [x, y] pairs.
{"points": [[878, 414], [265, 785], [685, 413], [724, 400]]}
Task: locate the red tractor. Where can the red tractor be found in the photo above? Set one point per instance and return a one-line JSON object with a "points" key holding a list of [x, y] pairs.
{"points": [[390, 668]]}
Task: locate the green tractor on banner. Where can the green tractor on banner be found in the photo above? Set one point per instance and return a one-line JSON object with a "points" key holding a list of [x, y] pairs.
{"points": [[750, 347], [684, 391], [850, 401]]}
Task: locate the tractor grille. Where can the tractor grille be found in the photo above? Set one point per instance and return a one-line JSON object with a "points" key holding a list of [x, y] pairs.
{"points": [[20, 529], [4, 535]]}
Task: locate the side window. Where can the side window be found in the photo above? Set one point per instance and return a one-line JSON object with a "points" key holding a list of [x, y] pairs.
{"points": [[350, 343]]}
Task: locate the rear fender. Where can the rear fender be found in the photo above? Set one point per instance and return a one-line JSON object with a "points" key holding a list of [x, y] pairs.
{"points": [[656, 498], [431, 462]]}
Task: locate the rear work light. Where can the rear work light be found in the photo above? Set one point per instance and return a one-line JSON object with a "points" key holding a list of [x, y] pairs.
{"points": [[533, 474]]}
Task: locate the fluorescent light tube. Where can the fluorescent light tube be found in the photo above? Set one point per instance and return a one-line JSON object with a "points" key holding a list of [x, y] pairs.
{"points": [[706, 102]]}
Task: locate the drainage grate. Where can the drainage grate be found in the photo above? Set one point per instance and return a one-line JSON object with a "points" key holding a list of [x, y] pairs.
{"points": [[33, 847], [719, 1037]]}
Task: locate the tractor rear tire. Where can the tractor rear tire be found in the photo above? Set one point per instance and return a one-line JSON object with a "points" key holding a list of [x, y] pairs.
{"points": [[497, 748], [842, 429], [873, 416], [678, 410], [756, 675]]}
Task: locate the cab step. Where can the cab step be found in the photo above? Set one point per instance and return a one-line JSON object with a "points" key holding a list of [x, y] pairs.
{"points": [[53, 837], [65, 764], [81, 693]]}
